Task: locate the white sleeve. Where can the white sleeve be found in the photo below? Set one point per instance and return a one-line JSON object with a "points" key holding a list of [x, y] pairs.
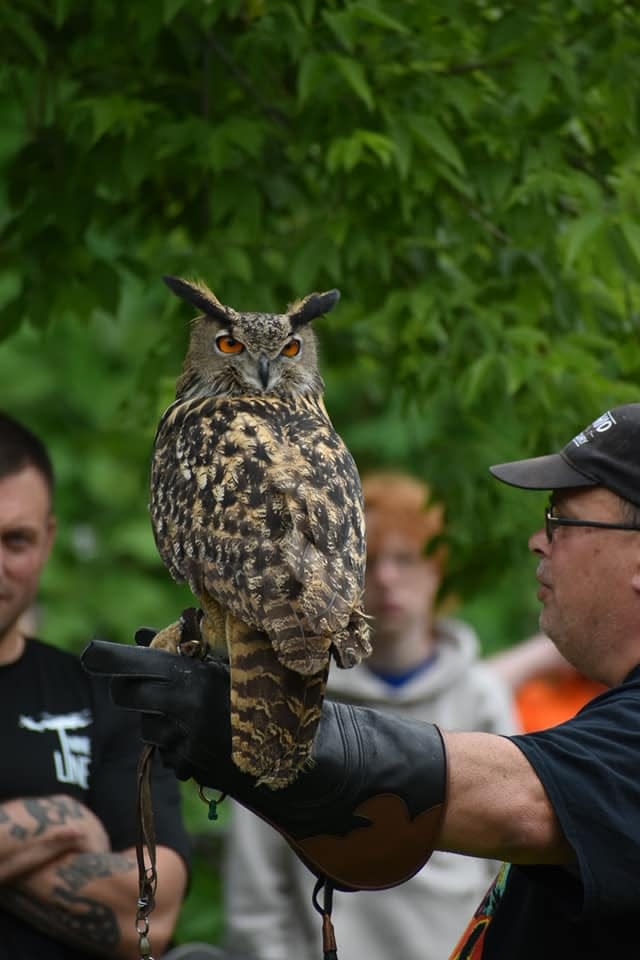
{"points": [[259, 889]]}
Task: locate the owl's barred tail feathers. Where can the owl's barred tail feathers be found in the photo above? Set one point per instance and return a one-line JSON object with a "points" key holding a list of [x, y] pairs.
{"points": [[274, 711]]}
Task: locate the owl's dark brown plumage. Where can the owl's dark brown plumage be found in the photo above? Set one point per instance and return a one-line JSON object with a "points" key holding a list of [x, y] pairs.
{"points": [[256, 503]]}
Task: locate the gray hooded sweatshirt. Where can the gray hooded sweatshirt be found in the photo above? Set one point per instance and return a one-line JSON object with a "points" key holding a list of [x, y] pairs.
{"points": [[269, 914]]}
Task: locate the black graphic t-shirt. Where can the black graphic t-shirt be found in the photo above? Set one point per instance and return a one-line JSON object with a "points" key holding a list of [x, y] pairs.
{"points": [[60, 734], [591, 910]]}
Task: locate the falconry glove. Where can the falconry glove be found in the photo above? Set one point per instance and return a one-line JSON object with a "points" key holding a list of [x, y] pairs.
{"points": [[366, 812]]}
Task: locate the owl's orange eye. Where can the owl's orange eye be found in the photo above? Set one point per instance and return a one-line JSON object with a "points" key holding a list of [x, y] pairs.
{"points": [[227, 344], [291, 349]]}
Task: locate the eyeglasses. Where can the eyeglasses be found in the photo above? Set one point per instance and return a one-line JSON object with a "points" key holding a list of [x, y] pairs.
{"points": [[550, 522]]}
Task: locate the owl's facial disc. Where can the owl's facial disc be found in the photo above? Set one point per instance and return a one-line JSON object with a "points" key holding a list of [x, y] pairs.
{"points": [[264, 368]]}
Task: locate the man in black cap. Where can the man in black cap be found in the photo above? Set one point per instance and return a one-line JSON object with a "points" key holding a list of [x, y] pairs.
{"points": [[560, 806]]}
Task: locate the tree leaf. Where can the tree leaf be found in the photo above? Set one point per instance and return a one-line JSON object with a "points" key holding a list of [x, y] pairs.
{"points": [[580, 232], [354, 73], [19, 24], [374, 15], [171, 8], [631, 230], [430, 132], [533, 77], [312, 73]]}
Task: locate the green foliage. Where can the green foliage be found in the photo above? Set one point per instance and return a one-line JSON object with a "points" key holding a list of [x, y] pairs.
{"points": [[466, 172]]}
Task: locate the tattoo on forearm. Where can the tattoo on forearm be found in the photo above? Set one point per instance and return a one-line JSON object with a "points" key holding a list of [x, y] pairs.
{"points": [[48, 812], [95, 929], [71, 917], [45, 812], [86, 867], [15, 830]]}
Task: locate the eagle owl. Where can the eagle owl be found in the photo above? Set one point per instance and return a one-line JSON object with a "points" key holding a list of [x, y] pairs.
{"points": [[256, 504]]}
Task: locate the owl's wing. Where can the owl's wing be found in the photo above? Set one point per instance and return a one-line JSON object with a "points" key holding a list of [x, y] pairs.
{"points": [[323, 548], [333, 612]]}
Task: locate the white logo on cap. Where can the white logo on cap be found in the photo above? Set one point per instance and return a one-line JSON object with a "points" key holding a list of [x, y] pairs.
{"points": [[601, 425]]}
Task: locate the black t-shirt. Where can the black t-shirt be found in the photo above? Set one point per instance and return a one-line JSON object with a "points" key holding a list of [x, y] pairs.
{"points": [[61, 734], [590, 768]]}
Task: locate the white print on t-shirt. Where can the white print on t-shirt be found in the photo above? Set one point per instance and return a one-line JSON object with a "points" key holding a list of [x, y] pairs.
{"points": [[73, 758]]}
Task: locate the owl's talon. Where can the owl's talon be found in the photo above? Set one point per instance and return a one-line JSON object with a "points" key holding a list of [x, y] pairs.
{"points": [[192, 643], [166, 639]]}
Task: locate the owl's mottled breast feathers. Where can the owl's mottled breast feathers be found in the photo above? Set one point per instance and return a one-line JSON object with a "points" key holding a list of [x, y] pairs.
{"points": [[256, 501]]}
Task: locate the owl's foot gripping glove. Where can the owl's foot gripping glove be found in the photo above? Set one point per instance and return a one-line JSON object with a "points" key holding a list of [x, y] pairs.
{"points": [[365, 815]]}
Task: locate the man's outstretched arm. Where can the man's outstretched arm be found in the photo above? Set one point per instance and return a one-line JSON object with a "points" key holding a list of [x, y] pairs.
{"points": [[382, 793], [497, 806]]}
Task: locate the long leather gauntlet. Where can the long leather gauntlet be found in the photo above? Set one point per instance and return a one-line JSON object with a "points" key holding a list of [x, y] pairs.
{"points": [[367, 812]]}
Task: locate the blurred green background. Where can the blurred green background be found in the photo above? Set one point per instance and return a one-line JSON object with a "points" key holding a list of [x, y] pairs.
{"points": [[466, 173]]}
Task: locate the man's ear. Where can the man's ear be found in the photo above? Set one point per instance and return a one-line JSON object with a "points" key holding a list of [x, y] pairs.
{"points": [[52, 529], [635, 579]]}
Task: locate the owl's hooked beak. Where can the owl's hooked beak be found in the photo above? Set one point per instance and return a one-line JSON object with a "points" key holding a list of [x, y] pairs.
{"points": [[264, 366]]}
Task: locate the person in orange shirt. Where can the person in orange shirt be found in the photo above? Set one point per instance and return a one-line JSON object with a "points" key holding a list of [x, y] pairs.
{"points": [[546, 688]]}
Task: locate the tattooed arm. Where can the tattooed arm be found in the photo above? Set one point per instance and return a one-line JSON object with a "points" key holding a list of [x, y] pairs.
{"points": [[87, 897], [36, 830]]}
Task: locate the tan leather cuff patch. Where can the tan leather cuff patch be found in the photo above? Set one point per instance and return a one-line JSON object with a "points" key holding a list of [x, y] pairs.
{"points": [[384, 852]]}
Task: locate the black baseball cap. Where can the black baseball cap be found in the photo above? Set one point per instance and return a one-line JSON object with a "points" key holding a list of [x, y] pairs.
{"points": [[604, 454]]}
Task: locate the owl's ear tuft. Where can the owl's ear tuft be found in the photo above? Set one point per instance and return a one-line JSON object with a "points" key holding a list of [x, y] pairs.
{"points": [[199, 296], [303, 311]]}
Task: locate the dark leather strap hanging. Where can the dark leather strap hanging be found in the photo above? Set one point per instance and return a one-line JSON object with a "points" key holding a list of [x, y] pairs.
{"points": [[147, 874], [329, 946]]}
